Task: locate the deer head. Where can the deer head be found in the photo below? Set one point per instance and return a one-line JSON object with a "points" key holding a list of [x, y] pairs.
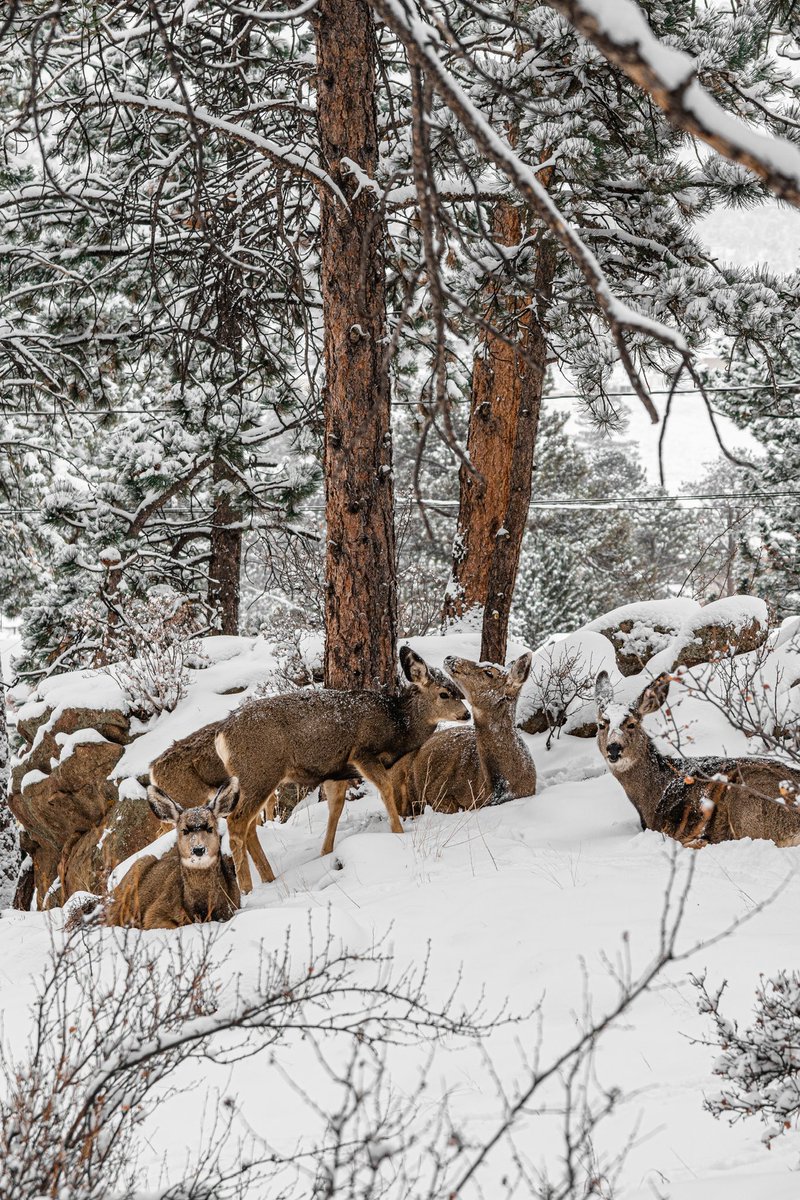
{"points": [[437, 696], [198, 835], [620, 736], [487, 685]]}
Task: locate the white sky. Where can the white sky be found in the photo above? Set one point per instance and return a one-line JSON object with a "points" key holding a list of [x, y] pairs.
{"points": [[770, 235]]}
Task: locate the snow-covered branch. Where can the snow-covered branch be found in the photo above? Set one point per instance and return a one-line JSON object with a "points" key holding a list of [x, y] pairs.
{"points": [[619, 29], [422, 42]]}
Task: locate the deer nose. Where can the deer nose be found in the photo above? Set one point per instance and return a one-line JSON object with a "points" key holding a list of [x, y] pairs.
{"points": [[198, 851], [614, 751]]}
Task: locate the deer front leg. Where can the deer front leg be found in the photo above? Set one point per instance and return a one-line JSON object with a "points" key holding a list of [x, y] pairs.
{"points": [[237, 831], [376, 773], [257, 854], [335, 793]]}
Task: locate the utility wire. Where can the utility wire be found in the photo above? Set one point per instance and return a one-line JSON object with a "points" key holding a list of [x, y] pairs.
{"points": [[138, 412], [687, 500]]}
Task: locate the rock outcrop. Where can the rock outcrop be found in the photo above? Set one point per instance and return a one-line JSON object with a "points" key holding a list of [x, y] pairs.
{"points": [[76, 828]]}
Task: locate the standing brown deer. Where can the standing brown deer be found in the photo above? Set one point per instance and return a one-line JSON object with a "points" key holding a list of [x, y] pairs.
{"points": [[194, 881], [468, 768], [695, 800], [314, 735], [190, 769]]}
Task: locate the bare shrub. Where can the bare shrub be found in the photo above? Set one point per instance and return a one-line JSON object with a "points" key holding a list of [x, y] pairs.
{"points": [[559, 683], [158, 641]]}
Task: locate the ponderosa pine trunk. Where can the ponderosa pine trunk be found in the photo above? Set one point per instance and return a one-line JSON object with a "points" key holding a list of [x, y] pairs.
{"points": [[505, 405], [361, 577], [225, 564], [9, 833]]}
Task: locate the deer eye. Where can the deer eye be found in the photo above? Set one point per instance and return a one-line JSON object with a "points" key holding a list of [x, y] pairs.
{"points": [[444, 696], [602, 724], [630, 724]]}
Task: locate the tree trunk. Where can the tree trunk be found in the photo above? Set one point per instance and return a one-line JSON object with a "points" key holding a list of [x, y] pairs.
{"points": [[503, 425], [9, 834], [361, 593], [226, 553]]}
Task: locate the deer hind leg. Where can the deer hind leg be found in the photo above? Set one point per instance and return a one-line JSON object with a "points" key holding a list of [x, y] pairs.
{"points": [[335, 792], [376, 773]]}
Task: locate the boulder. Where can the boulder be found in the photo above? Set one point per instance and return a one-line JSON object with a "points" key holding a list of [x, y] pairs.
{"points": [[735, 625], [638, 631]]}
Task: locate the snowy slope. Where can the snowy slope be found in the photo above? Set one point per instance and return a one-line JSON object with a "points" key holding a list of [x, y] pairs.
{"points": [[518, 897]]}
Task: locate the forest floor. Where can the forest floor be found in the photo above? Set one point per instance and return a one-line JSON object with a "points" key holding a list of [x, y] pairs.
{"points": [[530, 902]]}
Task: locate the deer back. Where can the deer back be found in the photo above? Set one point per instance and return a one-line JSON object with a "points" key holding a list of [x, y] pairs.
{"points": [[190, 770]]}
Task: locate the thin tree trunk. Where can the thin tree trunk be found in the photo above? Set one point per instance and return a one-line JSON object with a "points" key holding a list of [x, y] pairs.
{"points": [[361, 583], [9, 833], [226, 554], [505, 405]]}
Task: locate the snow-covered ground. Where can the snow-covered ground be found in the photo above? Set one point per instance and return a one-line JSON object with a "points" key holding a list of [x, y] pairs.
{"points": [[523, 900]]}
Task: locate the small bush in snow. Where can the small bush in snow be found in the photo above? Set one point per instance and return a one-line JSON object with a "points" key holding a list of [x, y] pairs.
{"points": [[561, 680], [159, 644], [760, 1066]]}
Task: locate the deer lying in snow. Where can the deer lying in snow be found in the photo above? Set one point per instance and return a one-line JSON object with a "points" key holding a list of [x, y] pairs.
{"points": [[193, 882], [317, 735], [697, 801], [468, 768]]}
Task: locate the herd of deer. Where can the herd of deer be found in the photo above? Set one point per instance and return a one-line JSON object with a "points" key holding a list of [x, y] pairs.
{"points": [[316, 737]]}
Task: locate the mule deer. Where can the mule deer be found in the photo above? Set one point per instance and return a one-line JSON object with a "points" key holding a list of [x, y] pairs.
{"points": [[317, 735], [193, 881], [695, 800], [191, 770], [468, 768]]}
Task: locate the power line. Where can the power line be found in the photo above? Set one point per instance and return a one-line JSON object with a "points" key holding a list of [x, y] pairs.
{"points": [[688, 500], [138, 412]]}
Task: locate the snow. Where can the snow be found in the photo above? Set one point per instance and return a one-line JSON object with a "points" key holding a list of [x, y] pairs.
{"points": [[68, 742], [671, 613], [523, 899], [517, 896], [235, 667]]}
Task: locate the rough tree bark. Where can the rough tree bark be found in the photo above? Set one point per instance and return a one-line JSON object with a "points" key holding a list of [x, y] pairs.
{"points": [[225, 562], [505, 404], [361, 599], [9, 835], [226, 553]]}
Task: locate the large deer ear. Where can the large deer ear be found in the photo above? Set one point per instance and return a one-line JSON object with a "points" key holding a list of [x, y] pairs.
{"points": [[415, 668], [518, 672], [603, 691], [653, 695], [225, 800], [163, 805]]}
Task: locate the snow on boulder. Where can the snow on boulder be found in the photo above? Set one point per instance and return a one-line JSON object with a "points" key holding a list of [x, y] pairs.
{"points": [[559, 691], [640, 630], [733, 625]]}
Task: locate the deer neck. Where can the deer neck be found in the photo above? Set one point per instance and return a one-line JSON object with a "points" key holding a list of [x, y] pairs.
{"points": [[200, 889], [644, 782], [413, 724], [505, 763]]}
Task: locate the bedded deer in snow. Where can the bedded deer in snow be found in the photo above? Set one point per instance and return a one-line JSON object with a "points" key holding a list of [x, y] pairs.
{"points": [[469, 768], [193, 882], [697, 800], [315, 736]]}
